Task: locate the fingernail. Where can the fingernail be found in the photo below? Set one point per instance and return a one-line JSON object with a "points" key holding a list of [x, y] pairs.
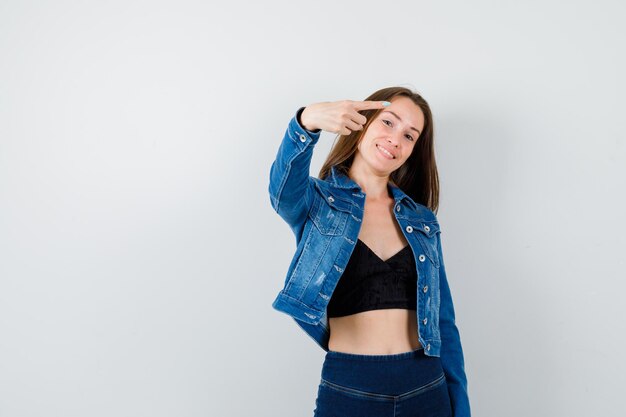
{"points": [[386, 103]]}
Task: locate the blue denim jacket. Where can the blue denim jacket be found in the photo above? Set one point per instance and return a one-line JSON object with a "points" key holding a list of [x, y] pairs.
{"points": [[325, 217]]}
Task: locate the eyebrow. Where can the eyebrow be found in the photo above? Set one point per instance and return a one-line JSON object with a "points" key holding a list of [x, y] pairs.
{"points": [[398, 117]]}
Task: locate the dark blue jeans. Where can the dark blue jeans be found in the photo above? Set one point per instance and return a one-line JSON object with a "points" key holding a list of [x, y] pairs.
{"points": [[408, 384]]}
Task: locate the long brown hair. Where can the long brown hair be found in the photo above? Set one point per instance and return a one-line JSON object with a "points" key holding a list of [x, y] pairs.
{"points": [[418, 176]]}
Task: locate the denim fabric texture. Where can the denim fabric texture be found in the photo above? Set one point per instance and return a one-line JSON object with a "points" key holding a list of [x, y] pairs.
{"points": [[325, 217], [408, 384]]}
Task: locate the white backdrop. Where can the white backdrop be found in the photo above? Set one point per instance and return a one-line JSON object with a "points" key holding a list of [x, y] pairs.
{"points": [[140, 255]]}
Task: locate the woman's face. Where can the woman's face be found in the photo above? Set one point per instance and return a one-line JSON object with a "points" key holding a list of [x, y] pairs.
{"points": [[393, 131]]}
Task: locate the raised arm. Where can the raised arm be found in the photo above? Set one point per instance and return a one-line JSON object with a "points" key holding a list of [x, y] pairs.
{"points": [[290, 185]]}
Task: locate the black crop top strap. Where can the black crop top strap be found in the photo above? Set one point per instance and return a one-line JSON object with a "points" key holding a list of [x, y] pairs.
{"points": [[369, 283]]}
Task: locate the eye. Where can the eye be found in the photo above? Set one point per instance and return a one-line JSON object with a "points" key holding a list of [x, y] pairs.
{"points": [[407, 136]]}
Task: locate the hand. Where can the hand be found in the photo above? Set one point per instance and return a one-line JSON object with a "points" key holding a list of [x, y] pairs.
{"points": [[338, 116]]}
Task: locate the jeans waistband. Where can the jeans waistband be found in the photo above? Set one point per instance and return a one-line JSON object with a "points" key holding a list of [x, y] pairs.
{"points": [[332, 354]]}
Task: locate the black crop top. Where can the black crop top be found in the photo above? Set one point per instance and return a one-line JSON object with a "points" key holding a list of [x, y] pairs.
{"points": [[369, 283]]}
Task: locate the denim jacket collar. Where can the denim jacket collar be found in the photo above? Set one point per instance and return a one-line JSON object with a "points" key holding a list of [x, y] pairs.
{"points": [[341, 180]]}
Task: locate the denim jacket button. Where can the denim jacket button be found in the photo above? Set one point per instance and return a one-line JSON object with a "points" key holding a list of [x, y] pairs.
{"points": [[426, 320], [428, 347], [409, 229], [425, 288], [302, 138], [427, 228], [331, 199], [398, 207], [422, 258]]}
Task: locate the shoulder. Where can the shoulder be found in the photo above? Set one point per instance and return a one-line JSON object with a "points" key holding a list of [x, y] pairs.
{"points": [[314, 180], [327, 189], [425, 217], [425, 212]]}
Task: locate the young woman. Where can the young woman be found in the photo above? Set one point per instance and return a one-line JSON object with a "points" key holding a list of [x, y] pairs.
{"points": [[367, 281]]}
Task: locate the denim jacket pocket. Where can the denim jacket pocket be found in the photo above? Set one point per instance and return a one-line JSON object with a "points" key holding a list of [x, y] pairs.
{"points": [[427, 236], [329, 213]]}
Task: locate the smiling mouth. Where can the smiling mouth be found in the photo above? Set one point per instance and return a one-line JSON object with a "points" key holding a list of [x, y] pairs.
{"points": [[385, 152]]}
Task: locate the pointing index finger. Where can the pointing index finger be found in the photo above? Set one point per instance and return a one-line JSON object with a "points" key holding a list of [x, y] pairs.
{"points": [[370, 104]]}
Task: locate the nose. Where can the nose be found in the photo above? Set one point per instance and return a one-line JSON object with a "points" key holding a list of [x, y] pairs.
{"points": [[394, 140]]}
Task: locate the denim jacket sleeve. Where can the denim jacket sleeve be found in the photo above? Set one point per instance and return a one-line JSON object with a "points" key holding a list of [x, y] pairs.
{"points": [[451, 350], [290, 185]]}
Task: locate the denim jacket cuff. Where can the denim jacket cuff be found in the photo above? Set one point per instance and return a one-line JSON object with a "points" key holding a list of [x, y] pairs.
{"points": [[310, 132]]}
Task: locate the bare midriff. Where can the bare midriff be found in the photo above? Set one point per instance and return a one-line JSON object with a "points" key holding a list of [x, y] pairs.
{"points": [[375, 332]]}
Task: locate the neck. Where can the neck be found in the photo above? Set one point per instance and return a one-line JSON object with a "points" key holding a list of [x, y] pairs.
{"points": [[373, 184]]}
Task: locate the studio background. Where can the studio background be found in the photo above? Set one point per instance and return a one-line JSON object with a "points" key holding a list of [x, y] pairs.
{"points": [[140, 255]]}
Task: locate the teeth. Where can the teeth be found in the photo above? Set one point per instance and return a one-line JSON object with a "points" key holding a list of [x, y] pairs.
{"points": [[385, 151]]}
